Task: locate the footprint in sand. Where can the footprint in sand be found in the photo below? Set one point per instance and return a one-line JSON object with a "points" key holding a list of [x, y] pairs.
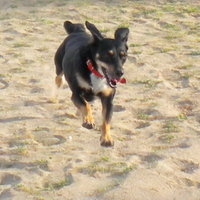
{"points": [[151, 158], [6, 195], [185, 82], [149, 114], [142, 125], [118, 108], [48, 139], [188, 167], [3, 84], [186, 106], [190, 183], [37, 90], [10, 179], [33, 80], [183, 145]]}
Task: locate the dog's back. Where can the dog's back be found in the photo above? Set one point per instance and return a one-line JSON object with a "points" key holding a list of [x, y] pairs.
{"points": [[77, 37]]}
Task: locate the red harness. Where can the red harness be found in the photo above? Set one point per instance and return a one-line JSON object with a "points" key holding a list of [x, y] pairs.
{"points": [[96, 73]]}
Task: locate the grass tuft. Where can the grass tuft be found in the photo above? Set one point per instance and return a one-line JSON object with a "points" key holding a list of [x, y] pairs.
{"points": [[27, 189], [57, 185], [20, 44], [116, 168], [170, 127], [147, 83]]}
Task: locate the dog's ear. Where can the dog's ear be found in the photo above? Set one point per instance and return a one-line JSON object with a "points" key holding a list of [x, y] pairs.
{"points": [[68, 26], [95, 32], [72, 28], [122, 34]]}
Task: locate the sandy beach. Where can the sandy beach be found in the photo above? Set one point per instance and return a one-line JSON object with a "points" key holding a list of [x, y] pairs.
{"points": [[45, 153]]}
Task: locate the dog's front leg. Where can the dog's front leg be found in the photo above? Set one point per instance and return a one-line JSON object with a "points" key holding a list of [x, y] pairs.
{"points": [[85, 108], [106, 139]]}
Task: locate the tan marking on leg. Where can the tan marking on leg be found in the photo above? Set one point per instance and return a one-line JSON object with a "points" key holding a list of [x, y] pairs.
{"points": [[106, 139], [88, 120], [58, 80]]}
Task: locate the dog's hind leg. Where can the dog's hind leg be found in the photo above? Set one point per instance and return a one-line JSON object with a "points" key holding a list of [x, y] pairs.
{"points": [[85, 109]]}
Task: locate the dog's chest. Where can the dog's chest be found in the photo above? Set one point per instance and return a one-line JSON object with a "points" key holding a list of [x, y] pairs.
{"points": [[98, 84]]}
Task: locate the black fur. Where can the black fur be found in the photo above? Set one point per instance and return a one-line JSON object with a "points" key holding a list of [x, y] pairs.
{"points": [[107, 55]]}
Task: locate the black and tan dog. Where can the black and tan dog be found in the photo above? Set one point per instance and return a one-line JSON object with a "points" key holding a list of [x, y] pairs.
{"points": [[92, 66]]}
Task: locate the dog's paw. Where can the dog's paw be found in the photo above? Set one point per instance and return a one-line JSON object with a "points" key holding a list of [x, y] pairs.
{"points": [[88, 125], [106, 142]]}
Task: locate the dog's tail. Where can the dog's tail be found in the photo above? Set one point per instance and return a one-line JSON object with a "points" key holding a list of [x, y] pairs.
{"points": [[58, 62], [58, 80], [73, 28]]}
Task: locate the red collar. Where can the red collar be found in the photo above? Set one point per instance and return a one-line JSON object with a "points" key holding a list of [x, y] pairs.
{"points": [[93, 70], [96, 73]]}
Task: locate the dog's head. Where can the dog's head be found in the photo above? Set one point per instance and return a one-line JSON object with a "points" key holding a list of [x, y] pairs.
{"points": [[110, 54]]}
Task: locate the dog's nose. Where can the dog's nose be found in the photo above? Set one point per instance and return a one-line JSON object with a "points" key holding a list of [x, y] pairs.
{"points": [[119, 73]]}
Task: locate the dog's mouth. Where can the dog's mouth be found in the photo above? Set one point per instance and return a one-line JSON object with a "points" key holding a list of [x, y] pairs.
{"points": [[112, 82]]}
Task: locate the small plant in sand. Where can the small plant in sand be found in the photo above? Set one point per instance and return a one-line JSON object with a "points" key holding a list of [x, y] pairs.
{"points": [[172, 27], [187, 75], [40, 128], [2, 75], [115, 168], [195, 53], [13, 6], [147, 83], [140, 10], [46, 21], [103, 189], [135, 45], [41, 49], [171, 36], [43, 164], [169, 8], [17, 70], [56, 185], [165, 50], [39, 198], [170, 127], [167, 138], [136, 51], [188, 66], [190, 9], [22, 150], [182, 116], [124, 24], [104, 30], [27, 189], [21, 44], [142, 116], [105, 158]]}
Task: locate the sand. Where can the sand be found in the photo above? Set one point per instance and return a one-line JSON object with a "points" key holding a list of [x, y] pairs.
{"points": [[45, 154]]}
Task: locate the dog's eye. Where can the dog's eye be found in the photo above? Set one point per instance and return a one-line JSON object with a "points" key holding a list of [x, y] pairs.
{"points": [[122, 53], [111, 52]]}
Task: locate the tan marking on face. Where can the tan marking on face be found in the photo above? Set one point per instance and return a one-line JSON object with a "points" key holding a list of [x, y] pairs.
{"points": [[122, 53], [111, 52]]}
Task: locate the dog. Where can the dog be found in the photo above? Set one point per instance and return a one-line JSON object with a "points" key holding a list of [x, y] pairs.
{"points": [[92, 66]]}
